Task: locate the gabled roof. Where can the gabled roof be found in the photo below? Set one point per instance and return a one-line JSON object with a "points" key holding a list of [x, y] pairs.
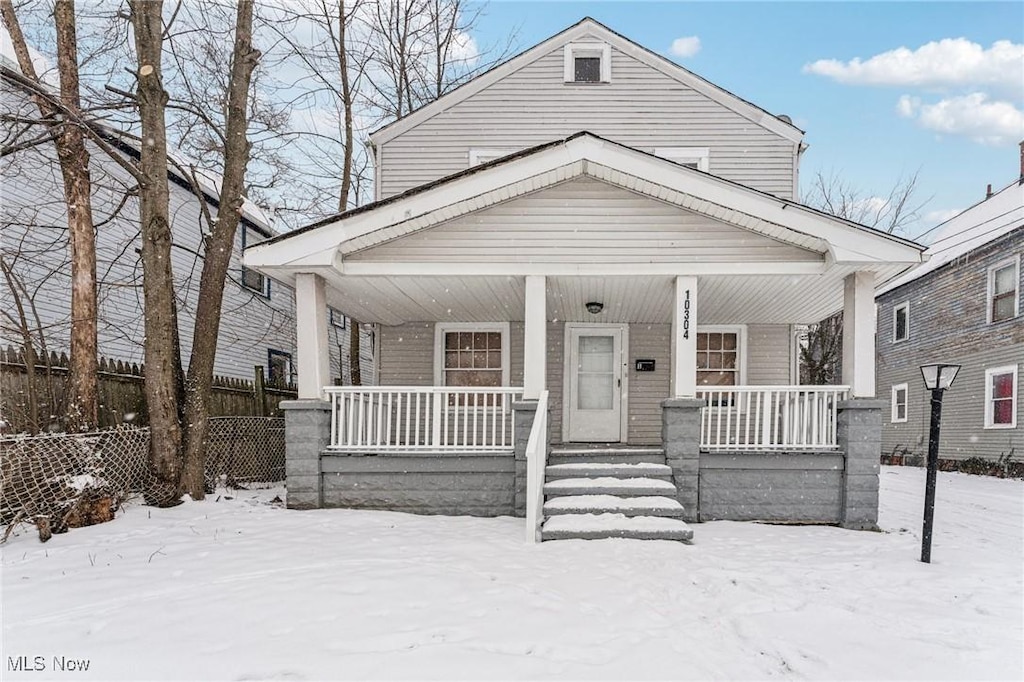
{"points": [[589, 26], [325, 244], [980, 225]]}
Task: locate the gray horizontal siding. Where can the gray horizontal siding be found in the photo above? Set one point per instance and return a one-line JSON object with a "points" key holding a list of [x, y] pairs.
{"points": [[948, 324], [647, 390], [584, 220], [769, 354], [641, 108]]}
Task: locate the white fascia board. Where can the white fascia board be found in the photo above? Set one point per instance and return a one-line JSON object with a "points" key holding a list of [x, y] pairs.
{"points": [[356, 268], [584, 28], [846, 242]]}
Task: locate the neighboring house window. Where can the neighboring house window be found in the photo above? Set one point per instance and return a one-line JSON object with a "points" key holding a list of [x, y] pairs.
{"points": [[1003, 290], [479, 156], [720, 356], [588, 63], [1001, 397], [694, 157], [901, 322], [899, 403], [337, 319], [471, 355], [251, 279], [280, 366]]}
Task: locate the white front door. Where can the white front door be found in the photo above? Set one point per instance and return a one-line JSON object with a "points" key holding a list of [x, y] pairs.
{"points": [[595, 372]]}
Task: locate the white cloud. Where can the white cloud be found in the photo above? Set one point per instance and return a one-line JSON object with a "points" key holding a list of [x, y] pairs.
{"points": [[983, 120], [685, 47], [947, 63]]}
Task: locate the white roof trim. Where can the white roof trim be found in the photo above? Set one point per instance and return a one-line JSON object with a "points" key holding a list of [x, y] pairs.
{"points": [[761, 213], [586, 27]]}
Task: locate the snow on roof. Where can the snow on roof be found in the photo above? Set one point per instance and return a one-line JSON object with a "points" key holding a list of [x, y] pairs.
{"points": [[981, 224]]}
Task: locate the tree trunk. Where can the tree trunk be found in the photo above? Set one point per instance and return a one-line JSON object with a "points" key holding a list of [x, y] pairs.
{"points": [[217, 255], [355, 371], [349, 105], [83, 374], [162, 363]]}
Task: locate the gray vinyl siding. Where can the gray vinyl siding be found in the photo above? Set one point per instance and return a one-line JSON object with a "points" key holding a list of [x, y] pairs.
{"points": [[35, 223], [584, 220], [948, 323], [769, 354], [641, 108], [407, 359]]}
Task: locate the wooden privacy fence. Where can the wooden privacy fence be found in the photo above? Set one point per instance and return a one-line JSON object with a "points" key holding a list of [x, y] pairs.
{"points": [[122, 399]]}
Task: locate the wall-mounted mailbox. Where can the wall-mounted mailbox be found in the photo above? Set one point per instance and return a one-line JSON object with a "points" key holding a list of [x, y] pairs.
{"points": [[644, 365]]}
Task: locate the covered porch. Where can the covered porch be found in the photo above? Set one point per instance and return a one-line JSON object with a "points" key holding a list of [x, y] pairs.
{"points": [[579, 292]]}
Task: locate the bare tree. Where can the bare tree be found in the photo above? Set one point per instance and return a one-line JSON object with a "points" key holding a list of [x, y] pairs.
{"points": [[821, 353], [83, 377]]}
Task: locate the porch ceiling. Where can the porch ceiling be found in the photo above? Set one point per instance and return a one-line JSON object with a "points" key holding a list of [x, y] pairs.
{"points": [[721, 299]]}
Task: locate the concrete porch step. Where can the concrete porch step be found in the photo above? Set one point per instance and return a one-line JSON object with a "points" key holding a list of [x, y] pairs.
{"points": [[607, 485], [605, 454], [615, 470], [610, 504], [600, 526]]}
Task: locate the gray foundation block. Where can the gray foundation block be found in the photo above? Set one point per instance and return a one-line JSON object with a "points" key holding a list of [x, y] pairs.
{"points": [[860, 438]]}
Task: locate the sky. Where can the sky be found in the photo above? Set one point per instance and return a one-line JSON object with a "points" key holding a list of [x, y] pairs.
{"points": [[882, 89]]}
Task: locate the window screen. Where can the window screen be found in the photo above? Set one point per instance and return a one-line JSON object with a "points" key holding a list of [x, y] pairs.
{"points": [[587, 70]]}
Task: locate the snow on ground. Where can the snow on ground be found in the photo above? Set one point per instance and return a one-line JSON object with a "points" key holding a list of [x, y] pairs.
{"points": [[242, 590]]}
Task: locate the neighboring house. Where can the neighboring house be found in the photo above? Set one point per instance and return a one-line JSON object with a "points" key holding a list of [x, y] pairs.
{"points": [[598, 245], [964, 307], [257, 326]]}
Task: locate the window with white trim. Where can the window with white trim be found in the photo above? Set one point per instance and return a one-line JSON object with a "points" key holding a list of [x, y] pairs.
{"points": [[1004, 290], [1001, 397], [337, 318], [471, 355], [720, 356], [693, 157], [901, 322], [588, 63], [899, 404], [479, 156], [252, 280]]}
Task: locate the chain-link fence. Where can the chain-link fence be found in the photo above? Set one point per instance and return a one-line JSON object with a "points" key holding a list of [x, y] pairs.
{"points": [[69, 480]]}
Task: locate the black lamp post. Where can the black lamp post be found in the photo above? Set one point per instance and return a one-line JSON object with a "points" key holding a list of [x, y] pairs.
{"points": [[937, 378]]}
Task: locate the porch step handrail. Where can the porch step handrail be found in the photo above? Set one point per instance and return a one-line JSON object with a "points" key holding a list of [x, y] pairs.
{"points": [[770, 417], [536, 466], [421, 418]]}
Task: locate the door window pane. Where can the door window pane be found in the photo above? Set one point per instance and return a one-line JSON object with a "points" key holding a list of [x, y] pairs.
{"points": [[596, 373]]}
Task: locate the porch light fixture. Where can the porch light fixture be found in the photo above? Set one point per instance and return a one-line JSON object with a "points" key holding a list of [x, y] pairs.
{"points": [[595, 307], [937, 378]]}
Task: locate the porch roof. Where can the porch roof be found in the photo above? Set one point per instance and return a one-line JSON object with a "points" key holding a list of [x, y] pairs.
{"points": [[387, 290]]}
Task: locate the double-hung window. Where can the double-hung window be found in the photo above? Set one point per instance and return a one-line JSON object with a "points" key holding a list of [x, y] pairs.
{"points": [[901, 322], [899, 404], [471, 355], [1001, 397], [1004, 290], [720, 356]]}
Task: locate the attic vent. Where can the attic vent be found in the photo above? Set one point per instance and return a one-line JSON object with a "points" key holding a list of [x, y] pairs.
{"points": [[588, 63]]}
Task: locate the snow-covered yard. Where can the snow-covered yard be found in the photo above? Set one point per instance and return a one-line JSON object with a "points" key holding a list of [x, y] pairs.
{"points": [[239, 589]]}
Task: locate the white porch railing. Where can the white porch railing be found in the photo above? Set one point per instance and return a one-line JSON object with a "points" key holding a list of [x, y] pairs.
{"points": [[536, 465], [770, 417], [421, 418]]}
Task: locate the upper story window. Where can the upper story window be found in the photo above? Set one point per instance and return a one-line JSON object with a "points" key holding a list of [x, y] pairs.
{"points": [[588, 63], [694, 157], [251, 279], [1001, 397], [1004, 290], [337, 318], [901, 322]]}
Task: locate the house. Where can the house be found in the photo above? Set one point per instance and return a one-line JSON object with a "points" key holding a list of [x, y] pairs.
{"points": [[584, 268], [258, 321], [963, 306]]}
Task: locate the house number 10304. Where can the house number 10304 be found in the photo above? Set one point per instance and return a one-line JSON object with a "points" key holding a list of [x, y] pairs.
{"points": [[686, 315]]}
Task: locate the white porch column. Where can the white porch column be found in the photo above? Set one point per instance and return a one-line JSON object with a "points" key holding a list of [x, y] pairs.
{"points": [[684, 338], [859, 334], [535, 333], [314, 362]]}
